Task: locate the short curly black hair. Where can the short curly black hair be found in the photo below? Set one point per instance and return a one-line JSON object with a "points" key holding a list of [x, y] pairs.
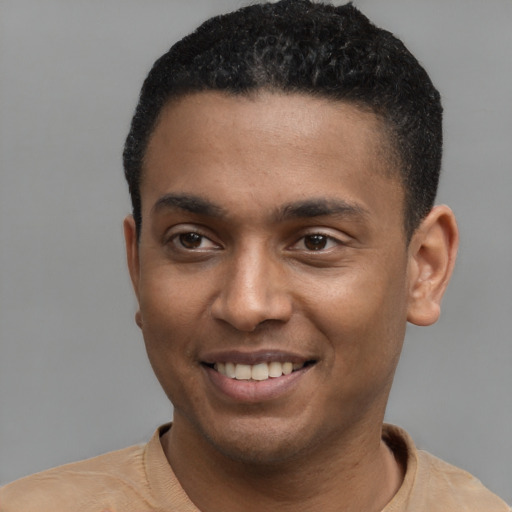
{"points": [[299, 46]]}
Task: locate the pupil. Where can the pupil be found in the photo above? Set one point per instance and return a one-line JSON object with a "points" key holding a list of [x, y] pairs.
{"points": [[315, 242], [190, 240]]}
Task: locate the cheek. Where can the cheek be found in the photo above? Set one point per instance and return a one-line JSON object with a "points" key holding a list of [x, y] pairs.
{"points": [[170, 301], [363, 315], [169, 317], [169, 349]]}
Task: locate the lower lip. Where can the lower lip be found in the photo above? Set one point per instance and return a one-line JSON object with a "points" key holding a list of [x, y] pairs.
{"points": [[253, 391]]}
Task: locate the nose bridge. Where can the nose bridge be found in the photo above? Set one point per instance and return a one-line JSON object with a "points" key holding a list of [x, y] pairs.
{"points": [[253, 289]]}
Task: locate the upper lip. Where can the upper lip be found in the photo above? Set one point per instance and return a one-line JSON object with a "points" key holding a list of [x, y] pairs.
{"points": [[254, 357]]}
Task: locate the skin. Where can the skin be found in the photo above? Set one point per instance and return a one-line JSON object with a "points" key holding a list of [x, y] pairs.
{"points": [[273, 226]]}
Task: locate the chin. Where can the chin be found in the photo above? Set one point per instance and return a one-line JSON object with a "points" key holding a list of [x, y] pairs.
{"points": [[257, 452], [259, 443]]}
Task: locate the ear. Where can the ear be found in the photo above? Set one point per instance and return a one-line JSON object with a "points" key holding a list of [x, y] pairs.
{"points": [[132, 252], [432, 253]]}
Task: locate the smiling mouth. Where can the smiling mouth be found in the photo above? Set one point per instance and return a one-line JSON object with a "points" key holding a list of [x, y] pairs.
{"points": [[260, 371]]}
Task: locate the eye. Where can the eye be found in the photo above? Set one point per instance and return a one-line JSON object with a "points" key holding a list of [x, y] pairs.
{"points": [[193, 240], [316, 242]]}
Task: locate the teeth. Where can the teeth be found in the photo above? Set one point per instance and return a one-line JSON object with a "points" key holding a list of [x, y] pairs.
{"points": [[275, 369], [243, 372], [260, 371], [287, 368], [230, 370]]}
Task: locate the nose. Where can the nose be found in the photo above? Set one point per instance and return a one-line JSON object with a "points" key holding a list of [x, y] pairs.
{"points": [[253, 291]]}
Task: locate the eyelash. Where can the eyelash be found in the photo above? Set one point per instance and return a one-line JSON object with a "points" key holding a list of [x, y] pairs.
{"points": [[324, 238], [177, 238]]}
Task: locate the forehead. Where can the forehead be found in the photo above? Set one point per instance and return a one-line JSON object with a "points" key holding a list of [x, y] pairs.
{"points": [[299, 111], [218, 144]]}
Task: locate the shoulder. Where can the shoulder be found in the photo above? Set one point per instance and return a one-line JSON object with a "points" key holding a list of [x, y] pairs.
{"points": [[80, 486], [457, 488], [432, 485]]}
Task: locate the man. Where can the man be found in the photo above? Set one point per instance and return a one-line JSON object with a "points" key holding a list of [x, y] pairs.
{"points": [[283, 164]]}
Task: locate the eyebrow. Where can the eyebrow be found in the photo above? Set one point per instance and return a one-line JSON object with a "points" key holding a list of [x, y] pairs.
{"points": [[189, 203], [309, 208], [321, 207]]}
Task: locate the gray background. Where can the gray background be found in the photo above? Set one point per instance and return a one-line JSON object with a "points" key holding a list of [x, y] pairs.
{"points": [[74, 380]]}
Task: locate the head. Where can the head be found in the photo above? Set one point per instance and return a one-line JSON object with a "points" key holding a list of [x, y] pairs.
{"points": [[295, 46], [283, 162]]}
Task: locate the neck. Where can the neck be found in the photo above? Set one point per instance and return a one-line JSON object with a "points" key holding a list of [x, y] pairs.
{"points": [[360, 473]]}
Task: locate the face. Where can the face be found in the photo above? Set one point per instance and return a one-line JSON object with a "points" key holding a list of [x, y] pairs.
{"points": [[272, 271]]}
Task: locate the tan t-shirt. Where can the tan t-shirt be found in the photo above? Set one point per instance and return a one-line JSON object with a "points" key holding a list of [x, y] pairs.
{"points": [[139, 479]]}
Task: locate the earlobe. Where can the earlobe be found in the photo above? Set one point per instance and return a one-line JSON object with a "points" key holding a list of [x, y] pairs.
{"points": [[138, 318], [132, 251], [432, 253]]}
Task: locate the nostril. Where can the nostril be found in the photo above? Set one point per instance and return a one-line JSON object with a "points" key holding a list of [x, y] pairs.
{"points": [[249, 310]]}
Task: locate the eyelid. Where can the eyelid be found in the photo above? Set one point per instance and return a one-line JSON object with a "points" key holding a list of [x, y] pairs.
{"points": [[182, 229], [338, 239]]}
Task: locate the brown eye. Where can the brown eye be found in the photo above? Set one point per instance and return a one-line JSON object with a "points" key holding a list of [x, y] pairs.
{"points": [[315, 242], [190, 240]]}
